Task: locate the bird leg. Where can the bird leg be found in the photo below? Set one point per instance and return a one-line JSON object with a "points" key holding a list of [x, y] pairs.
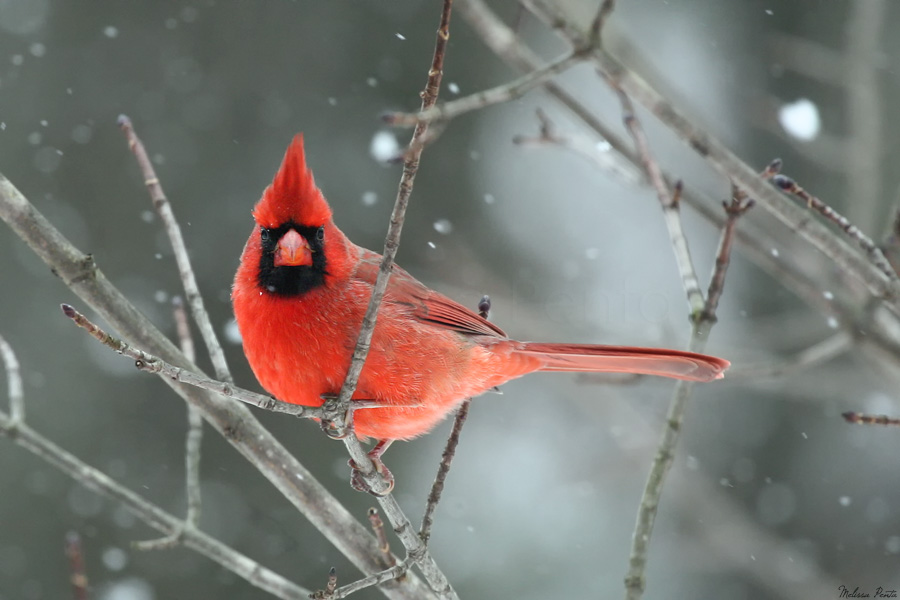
{"points": [[357, 480]]}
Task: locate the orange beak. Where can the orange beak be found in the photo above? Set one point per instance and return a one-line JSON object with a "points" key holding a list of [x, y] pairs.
{"points": [[293, 251]]}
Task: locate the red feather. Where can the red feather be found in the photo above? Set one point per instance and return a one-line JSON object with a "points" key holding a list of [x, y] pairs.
{"points": [[428, 352]]}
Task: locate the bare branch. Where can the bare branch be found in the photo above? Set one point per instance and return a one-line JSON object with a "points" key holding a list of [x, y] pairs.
{"points": [[665, 452], [864, 419], [192, 446], [437, 488], [738, 206], [496, 95], [668, 201], [392, 242], [846, 259], [607, 160], [392, 574], [146, 511], [383, 544], [153, 364], [605, 9], [191, 290], [13, 382], [379, 486], [853, 232], [75, 554]]}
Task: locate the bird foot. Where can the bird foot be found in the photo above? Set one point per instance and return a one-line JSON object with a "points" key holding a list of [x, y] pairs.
{"points": [[359, 483], [358, 480]]}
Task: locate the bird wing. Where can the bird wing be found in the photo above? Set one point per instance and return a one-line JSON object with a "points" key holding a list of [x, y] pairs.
{"points": [[425, 304]]}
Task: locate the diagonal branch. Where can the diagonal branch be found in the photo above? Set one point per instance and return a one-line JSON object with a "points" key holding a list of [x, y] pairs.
{"points": [[402, 525], [668, 201], [153, 364], [496, 95], [236, 423], [146, 511], [853, 232], [846, 259], [173, 229]]}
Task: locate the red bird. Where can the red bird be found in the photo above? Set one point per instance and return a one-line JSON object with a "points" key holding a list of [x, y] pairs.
{"points": [[299, 297]]}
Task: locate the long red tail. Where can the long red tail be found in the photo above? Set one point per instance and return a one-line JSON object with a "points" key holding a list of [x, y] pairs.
{"points": [[625, 359]]}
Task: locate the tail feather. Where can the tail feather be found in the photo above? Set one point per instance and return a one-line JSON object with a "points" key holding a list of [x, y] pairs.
{"points": [[624, 359]]}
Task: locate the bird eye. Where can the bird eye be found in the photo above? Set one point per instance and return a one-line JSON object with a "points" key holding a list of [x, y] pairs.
{"points": [[264, 234], [320, 234]]}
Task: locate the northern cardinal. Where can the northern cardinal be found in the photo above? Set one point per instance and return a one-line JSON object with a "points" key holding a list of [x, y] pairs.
{"points": [[300, 294]]}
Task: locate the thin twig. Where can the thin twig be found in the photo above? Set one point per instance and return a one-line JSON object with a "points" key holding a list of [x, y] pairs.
{"points": [[853, 232], [738, 206], [608, 161], [384, 545], [392, 241], [328, 592], [13, 382], [393, 574], [234, 421], [437, 488], [192, 445], [665, 452], [668, 201], [496, 95], [864, 419], [605, 9], [75, 554], [146, 511], [144, 361], [402, 526], [846, 259], [173, 229]]}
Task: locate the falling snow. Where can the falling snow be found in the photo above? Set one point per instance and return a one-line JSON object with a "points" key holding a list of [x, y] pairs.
{"points": [[232, 333], [400, 36], [845, 500], [384, 146], [443, 226], [369, 198], [452, 87], [111, 32], [114, 559], [800, 119]]}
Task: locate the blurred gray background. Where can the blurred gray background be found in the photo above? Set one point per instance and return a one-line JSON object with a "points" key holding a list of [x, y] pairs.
{"points": [[771, 495]]}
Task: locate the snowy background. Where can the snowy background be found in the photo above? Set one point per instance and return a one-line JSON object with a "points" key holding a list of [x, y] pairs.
{"points": [[771, 495]]}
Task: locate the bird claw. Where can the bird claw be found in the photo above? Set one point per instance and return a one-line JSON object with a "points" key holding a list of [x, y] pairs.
{"points": [[358, 481], [333, 430]]}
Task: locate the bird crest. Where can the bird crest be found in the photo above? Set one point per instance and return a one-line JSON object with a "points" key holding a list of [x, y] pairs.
{"points": [[293, 195]]}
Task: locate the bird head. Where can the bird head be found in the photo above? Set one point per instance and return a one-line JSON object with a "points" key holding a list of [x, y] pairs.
{"points": [[295, 233]]}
